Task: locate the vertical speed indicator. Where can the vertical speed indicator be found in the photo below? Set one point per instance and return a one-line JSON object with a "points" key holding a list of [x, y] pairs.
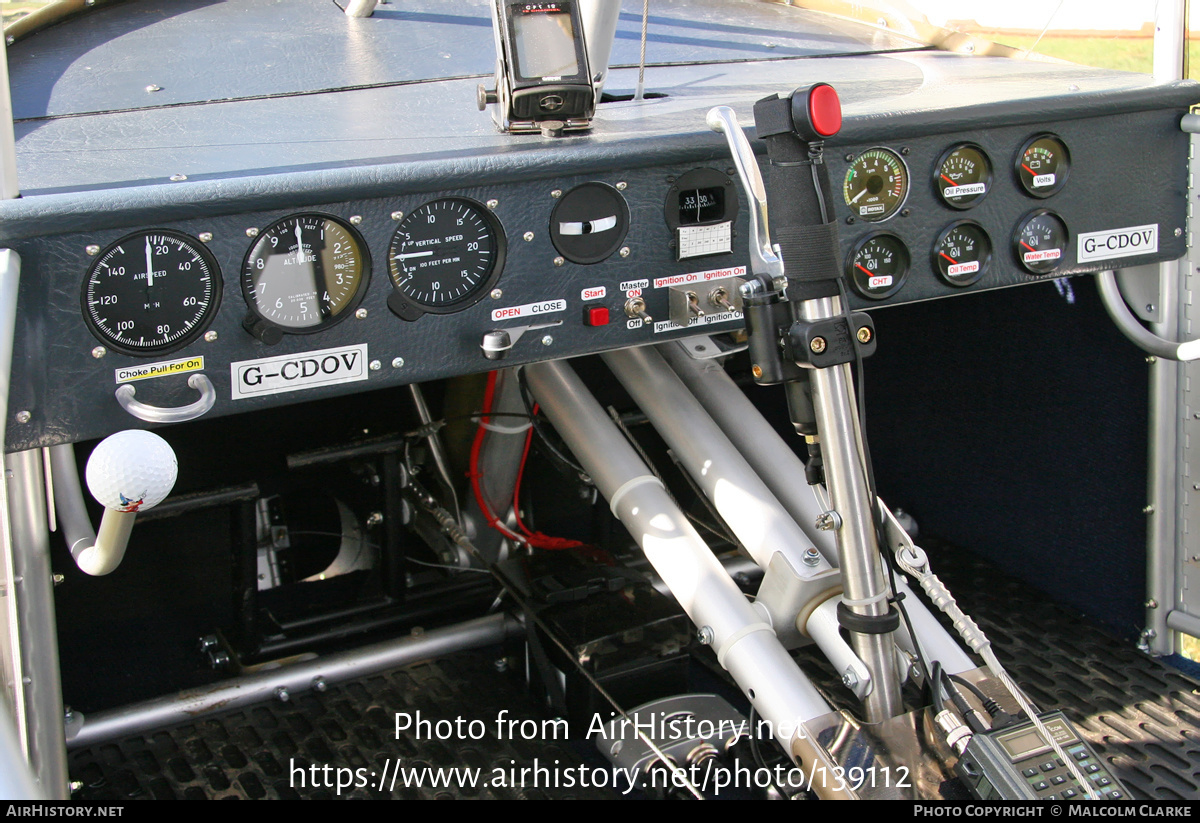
{"points": [[444, 257]]}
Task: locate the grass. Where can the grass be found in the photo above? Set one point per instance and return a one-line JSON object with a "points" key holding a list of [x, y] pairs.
{"points": [[1120, 53]]}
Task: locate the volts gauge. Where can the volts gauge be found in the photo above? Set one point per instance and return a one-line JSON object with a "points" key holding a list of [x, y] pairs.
{"points": [[443, 257], [961, 253], [1040, 242], [151, 292], [1043, 164], [963, 176], [876, 184], [303, 274], [878, 265]]}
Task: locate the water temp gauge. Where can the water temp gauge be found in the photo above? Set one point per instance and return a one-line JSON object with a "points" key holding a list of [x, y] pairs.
{"points": [[878, 265], [962, 253], [1043, 164], [1040, 242], [963, 176], [876, 184]]}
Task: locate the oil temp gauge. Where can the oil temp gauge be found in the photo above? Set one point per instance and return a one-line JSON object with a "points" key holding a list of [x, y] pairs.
{"points": [[963, 176], [962, 253], [1040, 242], [878, 265], [876, 184], [1043, 164]]}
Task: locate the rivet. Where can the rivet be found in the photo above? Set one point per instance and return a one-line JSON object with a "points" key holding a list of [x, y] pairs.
{"points": [[99, 352], [1148, 510], [153, 88], [281, 692], [528, 236], [491, 204], [397, 362], [547, 340], [23, 417], [622, 186], [706, 635], [92, 250], [252, 232], [205, 236], [756, 371], [355, 219], [375, 365], [817, 345], [397, 215], [210, 336], [624, 252], [1151, 359], [864, 335], [497, 294], [558, 261], [361, 314], [1179, 232], [177, 178], [557, 193]]}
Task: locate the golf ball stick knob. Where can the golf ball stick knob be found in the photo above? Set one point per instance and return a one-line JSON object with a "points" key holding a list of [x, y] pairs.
{"points": [[131, 471]]}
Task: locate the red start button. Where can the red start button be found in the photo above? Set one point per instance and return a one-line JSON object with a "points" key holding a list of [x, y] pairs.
{"points": [[595, 316]]}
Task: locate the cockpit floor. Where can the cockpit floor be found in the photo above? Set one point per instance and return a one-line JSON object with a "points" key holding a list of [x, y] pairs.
{"points": [[1140, 715]]}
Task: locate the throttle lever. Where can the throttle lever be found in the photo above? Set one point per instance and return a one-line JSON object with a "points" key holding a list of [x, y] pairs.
{"points": [[765, 261]]}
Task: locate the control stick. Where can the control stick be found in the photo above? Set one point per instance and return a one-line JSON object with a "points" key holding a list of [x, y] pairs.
{"points": [[128, 472]]}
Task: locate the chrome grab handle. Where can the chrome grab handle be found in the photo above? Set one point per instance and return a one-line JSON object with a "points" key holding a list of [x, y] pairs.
{"points": [[156, 414]]}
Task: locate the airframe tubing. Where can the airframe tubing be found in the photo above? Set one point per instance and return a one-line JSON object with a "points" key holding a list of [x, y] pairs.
{"points": [[737, 492], [295, 679], [783, 472], [745, 645]]}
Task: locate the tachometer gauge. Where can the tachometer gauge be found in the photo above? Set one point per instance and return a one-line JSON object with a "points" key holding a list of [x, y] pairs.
{"points": [[151, 292], [878, 265], [305, 273], [963, 176], [1043, 164], [444, 257], [1040, 242], [876, 184], [962, 253]]}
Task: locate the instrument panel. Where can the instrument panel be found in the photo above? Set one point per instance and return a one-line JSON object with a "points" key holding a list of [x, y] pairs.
{"points": [[288, 305]]}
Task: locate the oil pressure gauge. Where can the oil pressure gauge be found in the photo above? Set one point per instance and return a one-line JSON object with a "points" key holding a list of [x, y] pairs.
{"points": [[961, 253], [878, 265], [963, 176], [876, 184], [1040, 242]]}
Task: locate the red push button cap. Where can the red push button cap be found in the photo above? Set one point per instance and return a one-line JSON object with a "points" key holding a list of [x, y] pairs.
{"points": [[825, 110], [595, 316]]}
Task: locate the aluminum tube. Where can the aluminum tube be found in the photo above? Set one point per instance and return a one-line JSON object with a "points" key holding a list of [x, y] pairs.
{"points": [[297, 678], [858, 552], [70, 508], [738, 493], [35, 613], [783, 472], [10, 640], [745, 645], [8, 147], [16, 781]]}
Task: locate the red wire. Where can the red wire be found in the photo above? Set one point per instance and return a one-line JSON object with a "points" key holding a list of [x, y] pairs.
{"points": [[535, 539], [542, 541]]}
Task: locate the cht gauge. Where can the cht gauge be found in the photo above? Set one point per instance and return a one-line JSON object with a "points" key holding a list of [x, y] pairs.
{"points": [[151, 292], [1040, 242], [878, 265], [876, 184], [444, 256], [963, 176], [961, 253], [303, 274], [1043, 164]]}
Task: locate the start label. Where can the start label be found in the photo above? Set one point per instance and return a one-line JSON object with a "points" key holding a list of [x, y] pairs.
{"points": [[1127, 242], [293, 372], [529, 310]]}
